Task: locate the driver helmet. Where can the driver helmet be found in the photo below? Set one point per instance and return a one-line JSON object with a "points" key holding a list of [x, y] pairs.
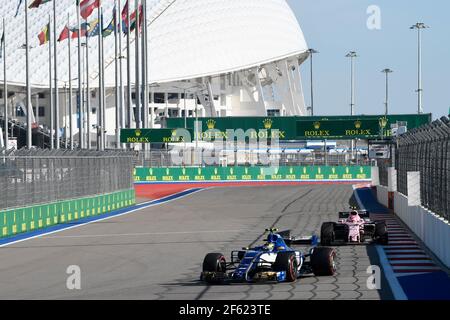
{"points": [[354, 216]]}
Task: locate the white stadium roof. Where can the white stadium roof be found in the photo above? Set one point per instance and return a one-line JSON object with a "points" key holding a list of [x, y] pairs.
{"points": [[187, 39]]}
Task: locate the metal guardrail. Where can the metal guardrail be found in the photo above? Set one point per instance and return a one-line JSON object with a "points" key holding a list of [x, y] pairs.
{"points": [[427, 149], [41, 176]]}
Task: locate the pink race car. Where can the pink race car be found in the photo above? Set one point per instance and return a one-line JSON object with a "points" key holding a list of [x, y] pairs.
{"points": [[354, 227]]}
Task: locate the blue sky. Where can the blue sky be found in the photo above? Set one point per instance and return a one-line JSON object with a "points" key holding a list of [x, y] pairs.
{"points": [[334, 27]]}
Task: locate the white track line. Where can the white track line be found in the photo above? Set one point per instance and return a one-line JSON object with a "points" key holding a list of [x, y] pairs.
{"points": [[145, 234]]}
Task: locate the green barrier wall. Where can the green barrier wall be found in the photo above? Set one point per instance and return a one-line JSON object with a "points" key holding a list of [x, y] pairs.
{"points": [[19, 220], [211, 174]]}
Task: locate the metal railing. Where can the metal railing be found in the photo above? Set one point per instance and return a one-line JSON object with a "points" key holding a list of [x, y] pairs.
{"points": [[427, 150], [42, 176]]}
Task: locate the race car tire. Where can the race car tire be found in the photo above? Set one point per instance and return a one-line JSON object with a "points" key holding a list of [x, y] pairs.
{"points": [[381, 233], [214, 262], [286, 261], [327, 234], [322, 261]]}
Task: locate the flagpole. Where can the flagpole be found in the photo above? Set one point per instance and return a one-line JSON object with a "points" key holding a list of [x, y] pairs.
{"points": [[103, 85], [52, 116], [100, 96], [5, 87], [137, 71], [27, 74], [65, 116], [70, 86], [116, 48], [129, 106], [56, 100], [88, 96], [122, 107], [83, 93], [80, 91], [144, 67]]}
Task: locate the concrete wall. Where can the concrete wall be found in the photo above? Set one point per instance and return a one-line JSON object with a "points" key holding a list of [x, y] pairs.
{"points": [[433, 230], [19, 220], [383, 195]]}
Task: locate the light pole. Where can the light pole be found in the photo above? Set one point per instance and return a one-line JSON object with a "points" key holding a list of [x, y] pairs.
{"points": [[352, 55], [419, 26], [386, 103], [311, 54], [185, 90]]}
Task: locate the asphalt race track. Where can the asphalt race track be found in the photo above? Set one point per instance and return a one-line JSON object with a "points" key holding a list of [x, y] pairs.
{"points": [[157, 253]]}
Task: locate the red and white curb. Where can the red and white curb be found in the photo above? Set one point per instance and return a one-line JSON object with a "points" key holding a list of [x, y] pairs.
{"points": [[403, 253]]}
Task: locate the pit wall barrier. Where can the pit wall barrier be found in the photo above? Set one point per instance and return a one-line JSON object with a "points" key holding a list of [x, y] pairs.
{"points": [[19, 220], [432, 229], [251, 174], [383, 196]]}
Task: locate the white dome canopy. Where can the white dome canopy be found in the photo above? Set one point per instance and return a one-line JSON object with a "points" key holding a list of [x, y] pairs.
{"points": [[187, 39]]}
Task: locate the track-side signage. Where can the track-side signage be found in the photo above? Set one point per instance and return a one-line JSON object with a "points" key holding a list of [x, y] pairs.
{"points": [[230, 174], [155, 135]]}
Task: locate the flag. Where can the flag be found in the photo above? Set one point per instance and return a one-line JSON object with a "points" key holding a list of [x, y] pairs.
{"points": [[124, 18], [111, 27], [18, 8], [109, 30], [2, 43], [84, 30], [94, 28], [87, 7], [133, 19], [37, 3], [64, 34], [44, 36], [125, 23]]}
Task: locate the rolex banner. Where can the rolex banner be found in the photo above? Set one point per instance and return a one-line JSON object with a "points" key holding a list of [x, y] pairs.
{"points": [[156, 135], [305, 128], [341, 129], [235, 174]]}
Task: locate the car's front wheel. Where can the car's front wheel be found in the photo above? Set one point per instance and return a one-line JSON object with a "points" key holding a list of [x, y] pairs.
{"points": [[214, 262], [327, 233], [287, 261]]}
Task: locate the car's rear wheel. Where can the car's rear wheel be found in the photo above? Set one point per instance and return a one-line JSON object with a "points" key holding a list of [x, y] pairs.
{"points": [[327, 233], [286, 261], [323, 261], [214, 262], [381, 233]]}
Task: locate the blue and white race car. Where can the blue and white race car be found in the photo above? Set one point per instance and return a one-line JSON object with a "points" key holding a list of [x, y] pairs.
{"points": [[274, 261]]}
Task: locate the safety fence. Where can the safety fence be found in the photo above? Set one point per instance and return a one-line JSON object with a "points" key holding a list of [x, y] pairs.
{"points": [[427, 150], [246, 158], [383, 167], [35, 176]]}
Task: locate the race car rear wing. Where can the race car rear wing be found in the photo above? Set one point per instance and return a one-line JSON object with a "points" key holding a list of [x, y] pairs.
{"points": [[364, 214], [298, 240]]}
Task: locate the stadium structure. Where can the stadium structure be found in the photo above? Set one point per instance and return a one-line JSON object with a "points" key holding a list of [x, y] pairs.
{"points": [[209, 58]]}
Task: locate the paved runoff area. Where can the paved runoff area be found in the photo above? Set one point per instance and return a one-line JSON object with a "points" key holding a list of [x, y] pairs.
{"points": [[157, 252]]}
